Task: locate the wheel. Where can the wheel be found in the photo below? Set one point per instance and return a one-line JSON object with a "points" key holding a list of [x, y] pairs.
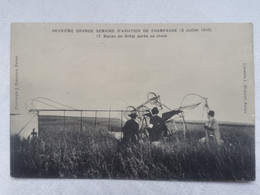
{"points": [[142, 110], [152, 98]]}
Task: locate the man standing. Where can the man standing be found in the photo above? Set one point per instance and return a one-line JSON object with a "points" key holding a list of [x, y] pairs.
{"points": [[131, 130], [157, 126], [212, 130]]}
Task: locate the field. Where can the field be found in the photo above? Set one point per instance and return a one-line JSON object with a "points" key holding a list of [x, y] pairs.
{"points": [[95, 153]]}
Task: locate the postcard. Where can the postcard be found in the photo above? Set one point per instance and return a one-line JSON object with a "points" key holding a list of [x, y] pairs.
{"points": [[132, 101]]}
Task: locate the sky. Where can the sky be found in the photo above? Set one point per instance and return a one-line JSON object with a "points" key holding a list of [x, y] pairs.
{"points": [[87, 72]]}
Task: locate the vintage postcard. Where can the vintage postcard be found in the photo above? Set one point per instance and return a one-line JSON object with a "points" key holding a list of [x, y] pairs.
{"points": [[132, 101]]}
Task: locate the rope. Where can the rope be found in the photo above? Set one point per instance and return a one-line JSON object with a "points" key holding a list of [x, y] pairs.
{"points": [[27, 123], [165, 106], [204, 98], [26, 105], [47, 104], [56, 102], [32, 106], [190, 106]]}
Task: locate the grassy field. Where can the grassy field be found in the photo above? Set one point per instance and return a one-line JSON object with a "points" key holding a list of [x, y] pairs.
{"points": [[94, 153]]}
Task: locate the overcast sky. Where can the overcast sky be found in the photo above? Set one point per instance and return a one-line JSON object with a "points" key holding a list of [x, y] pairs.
{"points": [[86, 72]]}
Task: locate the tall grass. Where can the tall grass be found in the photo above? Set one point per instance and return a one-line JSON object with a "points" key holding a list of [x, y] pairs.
{"points": [[94, 153]]}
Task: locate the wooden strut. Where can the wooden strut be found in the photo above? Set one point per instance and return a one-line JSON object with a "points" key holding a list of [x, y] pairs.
{"points": [[81, 122], [121, 124], [95, 118], [64, 121], [109, 119]]}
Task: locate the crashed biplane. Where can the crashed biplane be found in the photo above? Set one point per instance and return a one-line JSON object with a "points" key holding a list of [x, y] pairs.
{"points": [[144, 113]]}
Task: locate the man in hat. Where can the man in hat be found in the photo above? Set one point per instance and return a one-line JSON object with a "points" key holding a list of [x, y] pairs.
{"points": [[131, 130], [157, 127], [212, 130]]}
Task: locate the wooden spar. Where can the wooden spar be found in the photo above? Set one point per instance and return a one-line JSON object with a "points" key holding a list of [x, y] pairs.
{"points": [[66, 110]]}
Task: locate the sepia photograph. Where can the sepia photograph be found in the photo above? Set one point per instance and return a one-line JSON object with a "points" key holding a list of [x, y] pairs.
{"points": [[132, 101]]}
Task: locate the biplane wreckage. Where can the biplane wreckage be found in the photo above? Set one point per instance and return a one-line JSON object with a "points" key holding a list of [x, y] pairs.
{"points": [[143, 111]]}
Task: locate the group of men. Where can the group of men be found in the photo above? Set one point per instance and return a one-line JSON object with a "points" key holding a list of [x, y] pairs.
{"points": [[157, 129]]}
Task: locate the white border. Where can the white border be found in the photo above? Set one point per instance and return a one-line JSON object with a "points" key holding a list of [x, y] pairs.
{"points": [[116, 11]]}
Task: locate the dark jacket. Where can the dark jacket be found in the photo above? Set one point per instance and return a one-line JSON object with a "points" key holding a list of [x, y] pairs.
{"points": [[158, 128], [131, 131]]}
